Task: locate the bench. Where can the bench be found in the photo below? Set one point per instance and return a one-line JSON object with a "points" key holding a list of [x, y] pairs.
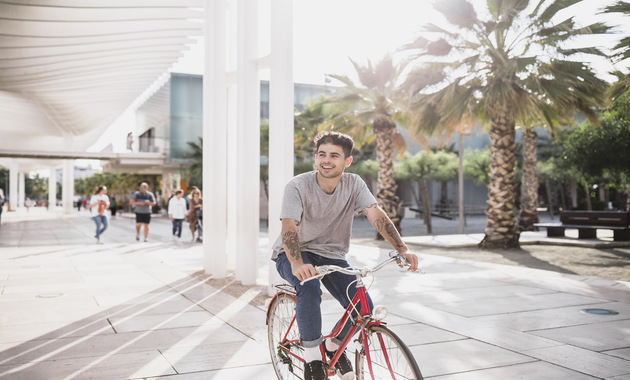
{"points": [[420, 211], [588, 222]]}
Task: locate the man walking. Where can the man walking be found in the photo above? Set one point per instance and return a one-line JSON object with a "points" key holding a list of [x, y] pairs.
{"points": [[143, 200]]}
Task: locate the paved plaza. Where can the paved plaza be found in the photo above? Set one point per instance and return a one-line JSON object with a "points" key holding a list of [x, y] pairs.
{"points": [[72, 309]]}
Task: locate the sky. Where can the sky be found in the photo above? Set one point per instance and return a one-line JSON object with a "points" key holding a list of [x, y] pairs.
{"points": [[328, 33]]}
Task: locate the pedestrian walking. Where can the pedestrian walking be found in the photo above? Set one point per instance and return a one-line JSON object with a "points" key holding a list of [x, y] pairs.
{"points": [[143, 200], [195, 204], [1, 207], [113, 206], [177, 212], [99, 203]]}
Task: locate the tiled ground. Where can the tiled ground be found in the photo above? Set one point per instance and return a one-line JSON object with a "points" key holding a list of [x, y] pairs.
{"points": [[70, 309]]}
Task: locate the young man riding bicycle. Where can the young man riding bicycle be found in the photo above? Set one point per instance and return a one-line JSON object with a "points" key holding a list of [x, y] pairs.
{"points": [[318, 208]]}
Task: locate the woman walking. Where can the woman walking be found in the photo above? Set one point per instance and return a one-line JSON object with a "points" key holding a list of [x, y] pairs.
{"points": [[99, 203], [195, 204]]}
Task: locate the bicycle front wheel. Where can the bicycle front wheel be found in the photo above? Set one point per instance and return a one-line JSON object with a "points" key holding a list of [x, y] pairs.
{"points": [[284, 338], [383, 356]]}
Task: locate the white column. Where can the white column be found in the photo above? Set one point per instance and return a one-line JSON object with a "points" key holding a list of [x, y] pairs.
{"points": [[215, 141], [52, 189], [67, 191], [248, 138], [460, 179], [281, 154], [21, 189], [13, 184], [232, 164], [232, 141]]}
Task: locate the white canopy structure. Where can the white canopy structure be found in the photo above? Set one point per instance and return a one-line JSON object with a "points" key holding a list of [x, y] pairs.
{"points": [[70, 68]]}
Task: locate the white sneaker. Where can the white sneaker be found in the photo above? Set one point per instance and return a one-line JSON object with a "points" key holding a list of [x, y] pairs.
{"points": [[146, 240]]}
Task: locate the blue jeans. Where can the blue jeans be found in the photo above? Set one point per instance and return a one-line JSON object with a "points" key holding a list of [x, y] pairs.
{"points": [[177, 227], [308, 311], [101, 225]]}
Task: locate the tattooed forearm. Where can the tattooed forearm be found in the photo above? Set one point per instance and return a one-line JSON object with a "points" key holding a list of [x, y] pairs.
{"points": [[292, 244], [379, 224], [393, 233], [387, 229]]}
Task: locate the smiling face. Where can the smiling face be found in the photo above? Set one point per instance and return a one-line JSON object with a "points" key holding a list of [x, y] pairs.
{"points": [[330, 161]]}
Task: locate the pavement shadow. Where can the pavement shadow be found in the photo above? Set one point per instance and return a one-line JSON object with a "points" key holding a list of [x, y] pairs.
{"points": [[184, 326], [524, 258]]}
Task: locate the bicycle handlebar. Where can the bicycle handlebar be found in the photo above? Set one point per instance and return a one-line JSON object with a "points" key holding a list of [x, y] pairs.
{"points": [[323, 270]]}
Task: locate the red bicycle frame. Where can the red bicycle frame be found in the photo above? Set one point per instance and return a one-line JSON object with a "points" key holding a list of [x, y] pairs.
{"points": [[359, 298]]}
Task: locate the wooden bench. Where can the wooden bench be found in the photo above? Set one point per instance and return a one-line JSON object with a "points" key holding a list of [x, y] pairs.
{"points": [[420, 211], [588, 222]]}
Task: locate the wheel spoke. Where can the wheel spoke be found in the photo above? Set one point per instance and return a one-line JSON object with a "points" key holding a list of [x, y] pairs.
{"points": [[284, 339], [385, 356]]}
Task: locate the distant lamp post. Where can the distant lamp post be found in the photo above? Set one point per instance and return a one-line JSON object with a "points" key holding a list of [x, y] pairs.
{"points": [[463, 130]]}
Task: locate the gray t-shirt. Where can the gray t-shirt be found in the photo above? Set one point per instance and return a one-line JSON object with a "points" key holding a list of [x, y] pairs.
{"points": [[325, 220], [143, 209]]}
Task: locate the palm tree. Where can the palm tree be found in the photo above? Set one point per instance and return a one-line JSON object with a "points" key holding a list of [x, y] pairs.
{"points": [[622, 51], [372, 107], [528, 215], [512, 65], [195, 171]]}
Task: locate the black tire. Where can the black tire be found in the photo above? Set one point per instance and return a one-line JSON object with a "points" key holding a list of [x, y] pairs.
{"points": [[400, 358], [279, 317]]}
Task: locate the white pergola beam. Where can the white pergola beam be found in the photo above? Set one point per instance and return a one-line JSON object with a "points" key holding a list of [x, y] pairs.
{"points": [[67, 190], [215, 141], [52, 188], [248, 144], [13, 184], [281, 156]]}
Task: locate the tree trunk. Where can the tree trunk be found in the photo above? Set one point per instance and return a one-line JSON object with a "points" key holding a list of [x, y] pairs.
{"points": [[529, 183], [386, 186], [589, 205], [426, 205], [500, 229], [549, 198], [563, 198], [413, 192]]}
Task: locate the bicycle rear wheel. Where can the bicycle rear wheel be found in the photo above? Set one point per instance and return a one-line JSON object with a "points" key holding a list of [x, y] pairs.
{"points": [[282, 328], [384, 355]]}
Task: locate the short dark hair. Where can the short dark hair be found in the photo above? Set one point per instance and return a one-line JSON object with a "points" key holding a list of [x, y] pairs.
{"points": [[336, 138]]}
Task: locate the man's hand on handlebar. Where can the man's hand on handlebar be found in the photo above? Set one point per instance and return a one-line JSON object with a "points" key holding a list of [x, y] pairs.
{"points": [[412, 260], [303, 271]]}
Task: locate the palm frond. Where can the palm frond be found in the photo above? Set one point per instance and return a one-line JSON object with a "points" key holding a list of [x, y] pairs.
{"points": [[458, 12], [554, 8]]}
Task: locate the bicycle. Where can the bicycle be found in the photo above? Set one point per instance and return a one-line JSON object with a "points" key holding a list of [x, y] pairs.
{"points": [[380, 354]]}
